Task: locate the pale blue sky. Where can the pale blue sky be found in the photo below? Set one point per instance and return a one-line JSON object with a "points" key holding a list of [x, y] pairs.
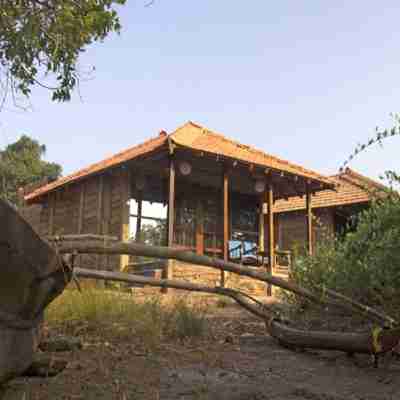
{"points": [[304, 80]]}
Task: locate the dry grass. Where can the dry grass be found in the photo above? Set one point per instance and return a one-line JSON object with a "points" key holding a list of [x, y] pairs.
{"points": [[108, 312]]}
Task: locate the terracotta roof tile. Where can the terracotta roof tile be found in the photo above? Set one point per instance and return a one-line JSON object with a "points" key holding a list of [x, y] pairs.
{"points": [[112, 161], [196, 137], [351, 188]]}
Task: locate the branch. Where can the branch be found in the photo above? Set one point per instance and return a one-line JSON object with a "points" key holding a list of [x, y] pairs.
{"points": [[130, 248], [376, 342]]}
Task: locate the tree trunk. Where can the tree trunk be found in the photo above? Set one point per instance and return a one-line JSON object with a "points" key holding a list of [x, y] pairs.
{"points": [[31, 276]]}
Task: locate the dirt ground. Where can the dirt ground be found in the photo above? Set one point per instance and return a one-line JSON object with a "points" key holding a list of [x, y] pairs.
{"points": [[237, 362]]}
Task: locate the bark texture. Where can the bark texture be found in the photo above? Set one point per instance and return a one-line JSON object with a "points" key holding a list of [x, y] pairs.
{"points": [[32, 274]]}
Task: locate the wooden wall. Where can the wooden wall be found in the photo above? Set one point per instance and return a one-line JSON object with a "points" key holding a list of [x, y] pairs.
{"points": [[94, 205], [291, 227]]}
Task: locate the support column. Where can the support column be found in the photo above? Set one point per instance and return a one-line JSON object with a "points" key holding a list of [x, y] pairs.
{"points": [[310, 244], [52, 206], [139, 217], [225, 195], [125, 213], [99, 216], [199, 227], [261, 224], [81, 207], [168, 271], [100, 206], [271, 239]]}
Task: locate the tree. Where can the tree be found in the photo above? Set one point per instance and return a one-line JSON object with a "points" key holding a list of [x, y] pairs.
{"points": [[154, 234], [21, 164], [41, 40]]}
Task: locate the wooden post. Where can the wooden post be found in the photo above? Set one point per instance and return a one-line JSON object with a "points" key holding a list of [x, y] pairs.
{"points": [[271, 239], [100, 206], [99, 217], [139, 217], [199, 227], [106, 216], [168, 270], [225, 190], [52, 206], [171, 204], [261, 224], [81, 207], [309, 221], [125, 213]]}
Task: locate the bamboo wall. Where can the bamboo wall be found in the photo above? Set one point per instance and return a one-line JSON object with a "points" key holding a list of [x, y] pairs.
{"points": [[96, 205], [291, 228]]}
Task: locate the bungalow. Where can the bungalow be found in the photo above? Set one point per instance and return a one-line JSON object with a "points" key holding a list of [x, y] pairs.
{"points": [[210, 192]]}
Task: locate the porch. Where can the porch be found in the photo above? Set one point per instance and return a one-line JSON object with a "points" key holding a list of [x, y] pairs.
{"points": [[214, 206]]}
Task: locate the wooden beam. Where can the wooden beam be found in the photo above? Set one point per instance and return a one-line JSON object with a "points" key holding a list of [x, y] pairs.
{"points": [[52, 206], [309, 223], [271, 239], [225, 195], [100, 206], [139, 216], [167, 272], [81, 207], [171, 203], [125, 212], [261, 224], [199, 227]]}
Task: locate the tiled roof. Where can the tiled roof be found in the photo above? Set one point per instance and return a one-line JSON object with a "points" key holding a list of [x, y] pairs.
{"points": [[195, 137], [351, 188], [112, 161]]}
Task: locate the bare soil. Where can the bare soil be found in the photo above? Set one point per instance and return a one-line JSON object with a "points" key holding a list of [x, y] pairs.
{"points": [[238, 361]]}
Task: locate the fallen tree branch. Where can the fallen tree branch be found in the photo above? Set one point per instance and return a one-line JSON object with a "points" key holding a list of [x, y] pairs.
{"points": [[86, 236], [375, 342], [130, 248], [261, 311], [390, 322]]}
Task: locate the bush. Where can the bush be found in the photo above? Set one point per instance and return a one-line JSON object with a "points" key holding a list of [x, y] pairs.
{"points": [[365, 264], [111, 312]]}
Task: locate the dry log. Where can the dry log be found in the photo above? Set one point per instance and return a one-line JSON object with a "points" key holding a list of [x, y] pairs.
{"points": [[86, 236], [93, 247], [31, 276], [374, 342]]}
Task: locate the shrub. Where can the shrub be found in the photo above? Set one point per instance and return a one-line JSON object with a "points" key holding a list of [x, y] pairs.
{"points": [[116, 313], [365, 264]]}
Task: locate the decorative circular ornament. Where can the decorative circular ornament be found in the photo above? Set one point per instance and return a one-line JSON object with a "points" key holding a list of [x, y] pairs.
{"points": [[259, 186], [185, 168]]}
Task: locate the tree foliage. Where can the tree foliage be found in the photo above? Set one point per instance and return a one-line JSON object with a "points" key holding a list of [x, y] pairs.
{"points": [[21, 163], [42, 39], [154, 234], [364, 264]]}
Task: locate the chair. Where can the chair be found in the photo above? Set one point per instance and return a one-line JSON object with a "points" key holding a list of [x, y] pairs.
{"points": [[245, 252]]}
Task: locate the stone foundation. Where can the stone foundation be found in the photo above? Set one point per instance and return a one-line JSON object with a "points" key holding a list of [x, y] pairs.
{"points": [[211, 277]]}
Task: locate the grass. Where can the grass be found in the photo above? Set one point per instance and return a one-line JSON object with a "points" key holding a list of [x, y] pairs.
{"points": [[111, 312]]}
